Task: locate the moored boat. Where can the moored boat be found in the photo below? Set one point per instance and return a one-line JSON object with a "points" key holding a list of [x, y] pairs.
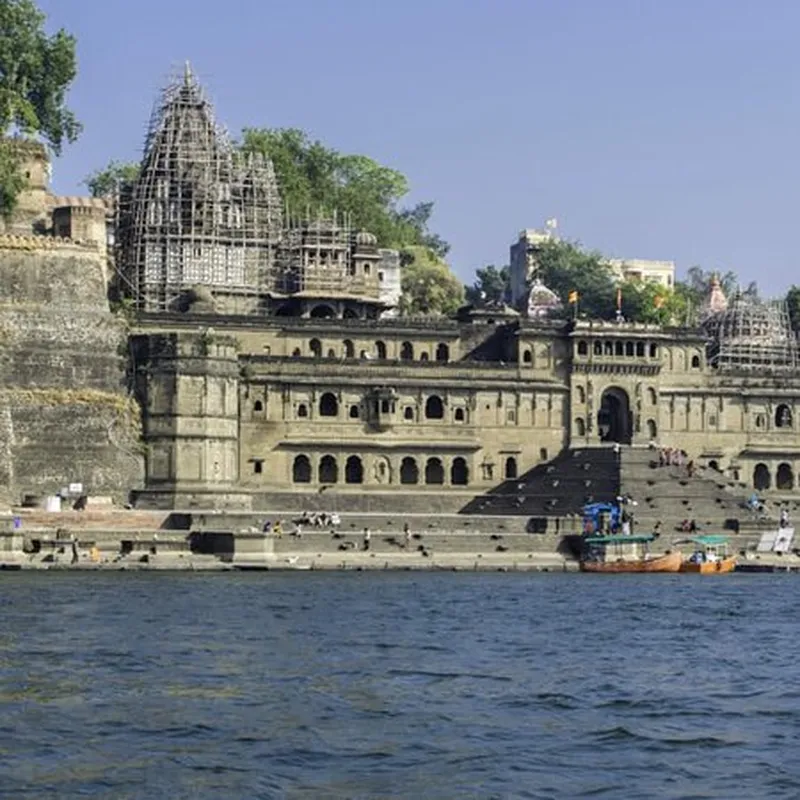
{"points": [[710, 556], [618, 554]]}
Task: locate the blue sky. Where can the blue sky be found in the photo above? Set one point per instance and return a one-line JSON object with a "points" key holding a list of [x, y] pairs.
{"points": [[649, 129]]}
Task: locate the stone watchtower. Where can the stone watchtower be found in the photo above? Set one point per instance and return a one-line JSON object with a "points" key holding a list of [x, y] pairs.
{"points": [[83, 219], [33, 205], [191, 420]]}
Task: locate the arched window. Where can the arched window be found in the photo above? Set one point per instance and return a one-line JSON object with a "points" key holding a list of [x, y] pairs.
{"points": [[652, 430], [640, 349], [651, 395], [407, 351], [618, 348], [598, 348], [580, 427], [322, 312], [761, 478], [331, 353], [423, 356], [408, 413], [527, 357], [409, 472], [296, 353], [328, 405], [784, 478], [608, 348], [459, 472], [354, 412], [580, 394], [315, 346], [353, 470], [302, 410], [328, 470], [442, 352], [695, 362], [380, 350], [760, 420], [629, 349], [653, 350], [434, 471], [434, 408], [458, 415], [258, 406], [511, 468], [349, 349], [583, 348], [350, 313], [301, 470], [783, 416]]}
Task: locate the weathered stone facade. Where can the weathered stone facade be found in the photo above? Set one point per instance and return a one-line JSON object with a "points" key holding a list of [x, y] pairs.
{"points": [[265, 374], [65, 414], [396, 406]]}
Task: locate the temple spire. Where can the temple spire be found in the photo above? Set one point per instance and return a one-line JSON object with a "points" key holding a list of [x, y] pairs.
{"points": [[187, 73]]}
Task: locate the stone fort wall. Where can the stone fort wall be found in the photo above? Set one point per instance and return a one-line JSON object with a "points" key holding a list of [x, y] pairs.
{"points": [[65, 414]]}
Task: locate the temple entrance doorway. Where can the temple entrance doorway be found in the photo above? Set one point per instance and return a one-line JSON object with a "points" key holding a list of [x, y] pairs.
{"points": [[614, 420]]}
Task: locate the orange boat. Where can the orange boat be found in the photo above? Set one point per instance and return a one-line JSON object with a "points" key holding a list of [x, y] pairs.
{"points": [[619, 554], [710, 556]]}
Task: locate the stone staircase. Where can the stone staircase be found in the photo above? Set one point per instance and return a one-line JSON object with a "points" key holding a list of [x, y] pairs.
{"points": [[558, 488], [105, 520], [668, 495]]}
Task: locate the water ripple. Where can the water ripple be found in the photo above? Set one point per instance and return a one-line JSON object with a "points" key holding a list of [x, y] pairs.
{"points": [[396, 685]]}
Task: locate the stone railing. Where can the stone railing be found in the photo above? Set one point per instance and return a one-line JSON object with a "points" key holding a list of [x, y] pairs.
{"points": [[441, 324]]}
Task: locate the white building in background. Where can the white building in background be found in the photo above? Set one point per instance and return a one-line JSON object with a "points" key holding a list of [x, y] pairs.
{"points": [[389, 281], [522, 264], [643, 269]]}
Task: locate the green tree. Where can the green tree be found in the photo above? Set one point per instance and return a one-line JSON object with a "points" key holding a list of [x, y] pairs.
{"points": [[36, 71], [793, 306], [491, 285], [428, 285], [316, 179], [652, 303], [696, 287], [105, 182], [565, 267]]}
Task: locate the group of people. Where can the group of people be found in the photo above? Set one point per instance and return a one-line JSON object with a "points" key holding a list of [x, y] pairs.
{"points": [[673, 457], [275, 528], [321, 519], [703, 556]]}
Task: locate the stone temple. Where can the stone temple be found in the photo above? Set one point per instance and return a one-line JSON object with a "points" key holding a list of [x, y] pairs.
{"points": [[271, 371]]}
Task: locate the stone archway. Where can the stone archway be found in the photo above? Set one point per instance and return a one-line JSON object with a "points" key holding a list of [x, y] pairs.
{"points": [[614, 419]]}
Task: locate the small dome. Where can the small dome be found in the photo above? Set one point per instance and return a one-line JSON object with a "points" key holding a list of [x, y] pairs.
{"points": [[366, 239], [541, 300]]}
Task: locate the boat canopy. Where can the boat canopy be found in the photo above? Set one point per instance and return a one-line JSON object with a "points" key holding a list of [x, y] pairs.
{"points": [[705, 541], [633, 539]]}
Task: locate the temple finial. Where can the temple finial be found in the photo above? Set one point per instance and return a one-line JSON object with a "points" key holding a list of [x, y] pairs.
{"points": [[187, 73]]}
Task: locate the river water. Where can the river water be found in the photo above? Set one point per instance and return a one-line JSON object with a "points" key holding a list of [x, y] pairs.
{"points": [[390, 685]]}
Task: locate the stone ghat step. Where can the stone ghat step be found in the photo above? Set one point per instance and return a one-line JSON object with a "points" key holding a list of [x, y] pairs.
{"points": [[355, 523], [386, 543], [121, 519]]}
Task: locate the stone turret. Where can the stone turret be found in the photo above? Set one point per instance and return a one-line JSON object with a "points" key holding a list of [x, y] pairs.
{"points": [[191, 421], [33, 204], [82, 219]]}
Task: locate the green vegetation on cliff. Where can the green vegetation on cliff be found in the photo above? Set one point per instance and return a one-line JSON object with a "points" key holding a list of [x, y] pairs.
{"points": [[36, 71]]}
